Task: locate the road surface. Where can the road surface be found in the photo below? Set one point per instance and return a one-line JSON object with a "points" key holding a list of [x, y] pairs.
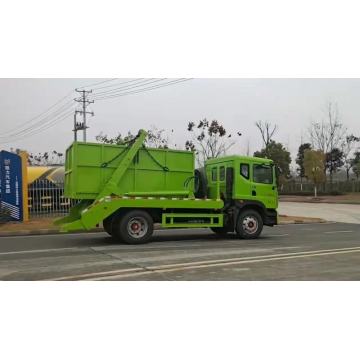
{"points": [[289, 252]]}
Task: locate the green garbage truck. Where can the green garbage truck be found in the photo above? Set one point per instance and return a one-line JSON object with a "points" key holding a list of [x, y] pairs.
{"points": [[128, 188]]}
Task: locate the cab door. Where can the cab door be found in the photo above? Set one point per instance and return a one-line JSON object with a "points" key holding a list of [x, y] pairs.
{"points": [[226, 179], [263, 186], [243, 181], [229, 180]]}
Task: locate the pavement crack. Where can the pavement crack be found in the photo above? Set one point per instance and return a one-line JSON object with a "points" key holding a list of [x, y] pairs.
{"points": [[132, 263]]}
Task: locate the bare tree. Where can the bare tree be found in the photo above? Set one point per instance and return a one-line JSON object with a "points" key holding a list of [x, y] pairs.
{"points": [[347, 148], [329, 133], [156, 138], [119, 139], [52, 158], [209, 140], [267, 131]]}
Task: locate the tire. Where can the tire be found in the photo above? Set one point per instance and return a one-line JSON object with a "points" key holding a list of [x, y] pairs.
{"points": [[249, 224], [107, 225], [133, 228]]}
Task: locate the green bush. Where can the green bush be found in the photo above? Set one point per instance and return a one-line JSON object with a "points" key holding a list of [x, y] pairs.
{"points": [[335, 192]]}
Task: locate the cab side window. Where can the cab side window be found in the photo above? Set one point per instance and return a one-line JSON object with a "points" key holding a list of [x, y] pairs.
{"points": [[222, 173], [263, 174], [244, 171], [214, 174]]}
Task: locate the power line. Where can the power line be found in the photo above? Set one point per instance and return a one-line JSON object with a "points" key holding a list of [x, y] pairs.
{"points": [[54, 122], [48, 118], [97, 83], [40, 122], [45, 124], [43, 118], [120, 83], [95, 87], [44, 127], [128, 87], [136, 84], [37, 116], [130, 91], [143, 90], [57, 120]]}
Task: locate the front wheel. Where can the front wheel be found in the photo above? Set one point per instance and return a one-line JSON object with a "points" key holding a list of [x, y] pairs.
{"points": [[134, 227], [249, 224]]}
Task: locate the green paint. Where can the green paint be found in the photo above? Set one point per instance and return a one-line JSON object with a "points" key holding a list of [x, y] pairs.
{"points": [[190, 220]]}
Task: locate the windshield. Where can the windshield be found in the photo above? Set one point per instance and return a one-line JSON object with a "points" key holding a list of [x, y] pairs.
{"points": [[263, 174]]}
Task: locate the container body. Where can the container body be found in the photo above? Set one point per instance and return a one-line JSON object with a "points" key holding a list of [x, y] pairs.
{"points": [[89, 166]]}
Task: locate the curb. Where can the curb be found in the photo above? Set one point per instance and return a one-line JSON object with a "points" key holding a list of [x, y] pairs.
{"points": [[304, 220], [320, 221], [318, 202]]}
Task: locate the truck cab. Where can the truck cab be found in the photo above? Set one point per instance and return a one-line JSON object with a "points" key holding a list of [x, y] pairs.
{"points": [[246, 184]]}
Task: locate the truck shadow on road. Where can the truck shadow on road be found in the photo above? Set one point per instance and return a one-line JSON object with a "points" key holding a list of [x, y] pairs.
{"points": [[178, 238]]}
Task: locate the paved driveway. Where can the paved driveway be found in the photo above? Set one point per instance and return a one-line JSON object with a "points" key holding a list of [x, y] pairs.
{"points": [[345, 213]]}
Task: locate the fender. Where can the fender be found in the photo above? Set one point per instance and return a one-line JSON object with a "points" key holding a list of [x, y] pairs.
{"points": [[269, 216]]}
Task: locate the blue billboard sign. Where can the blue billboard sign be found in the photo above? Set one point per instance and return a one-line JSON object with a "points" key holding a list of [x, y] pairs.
{"points": [[11, 197]]}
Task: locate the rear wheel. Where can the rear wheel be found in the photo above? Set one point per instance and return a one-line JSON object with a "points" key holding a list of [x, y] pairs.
{"points": [[133, 227], [249, 224]]}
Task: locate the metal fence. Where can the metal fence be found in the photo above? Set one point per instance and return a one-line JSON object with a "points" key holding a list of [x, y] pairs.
{"points": [[46, 199], [293, 187]]}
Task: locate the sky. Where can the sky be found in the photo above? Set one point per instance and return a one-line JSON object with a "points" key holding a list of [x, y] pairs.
{"points": [[291, 104]]}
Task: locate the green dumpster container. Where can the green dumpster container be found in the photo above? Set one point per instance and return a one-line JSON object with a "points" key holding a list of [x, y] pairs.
{"points": [[89, 166]]}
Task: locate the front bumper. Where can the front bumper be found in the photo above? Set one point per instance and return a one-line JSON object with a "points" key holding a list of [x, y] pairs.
{"points": [[271, 217]]}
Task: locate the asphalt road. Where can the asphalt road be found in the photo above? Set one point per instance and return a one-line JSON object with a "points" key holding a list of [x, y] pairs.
{"points": [[328, 251]]}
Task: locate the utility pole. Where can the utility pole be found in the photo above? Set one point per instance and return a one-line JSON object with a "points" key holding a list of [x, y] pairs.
{"points": [[85, 102], [77, 125]]}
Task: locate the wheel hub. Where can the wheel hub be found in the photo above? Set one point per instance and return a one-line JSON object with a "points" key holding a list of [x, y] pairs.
{"points": [[137, 227], [250, 225]]}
